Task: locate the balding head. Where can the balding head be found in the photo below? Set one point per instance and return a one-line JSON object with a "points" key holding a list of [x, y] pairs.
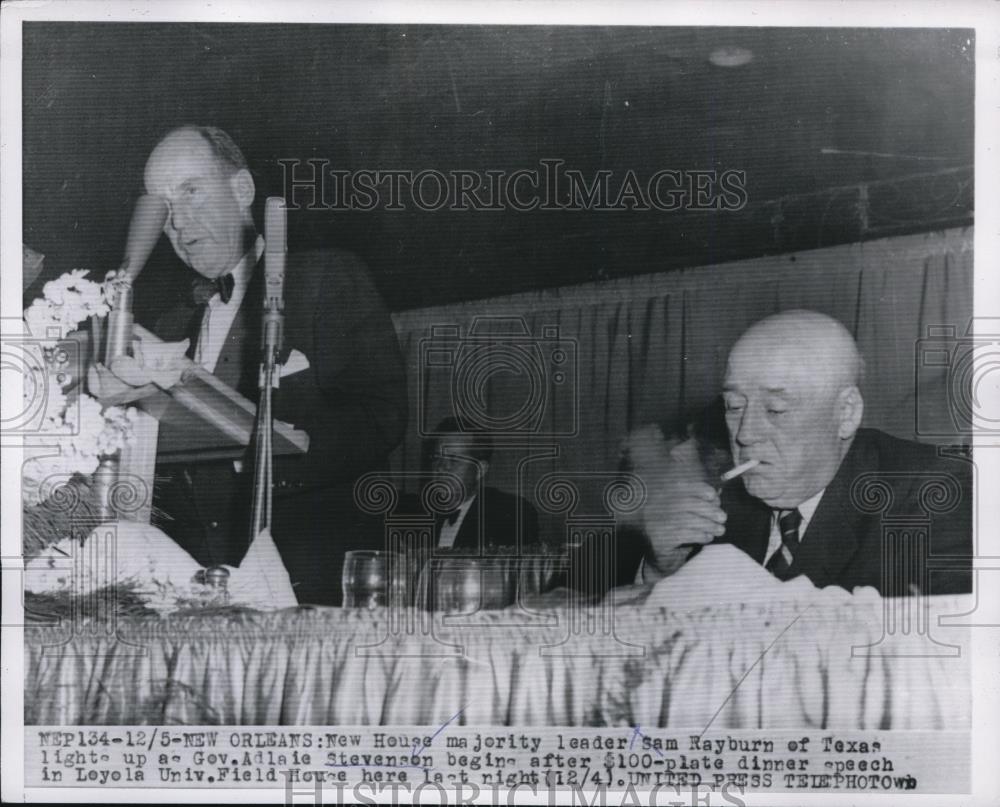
{"points": [[197, 171], [792, 401], [815, 343]]}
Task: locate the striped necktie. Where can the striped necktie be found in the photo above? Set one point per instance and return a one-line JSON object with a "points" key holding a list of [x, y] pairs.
{"points": [[788, 525]]}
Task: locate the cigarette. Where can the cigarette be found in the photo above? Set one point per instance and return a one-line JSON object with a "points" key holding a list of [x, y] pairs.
{"points": [[740, 469]]}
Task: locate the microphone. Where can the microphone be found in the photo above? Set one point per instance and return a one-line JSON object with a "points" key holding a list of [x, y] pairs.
{"points": [[144, 230], [275, 247]]}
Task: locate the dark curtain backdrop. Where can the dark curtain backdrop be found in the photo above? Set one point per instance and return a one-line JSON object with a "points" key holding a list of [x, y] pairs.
{"points": [[653, 348]]}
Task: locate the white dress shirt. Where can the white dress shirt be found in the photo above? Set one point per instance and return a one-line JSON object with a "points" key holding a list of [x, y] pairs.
{"points": [[806, 510], [449, 532], [219, 316]]}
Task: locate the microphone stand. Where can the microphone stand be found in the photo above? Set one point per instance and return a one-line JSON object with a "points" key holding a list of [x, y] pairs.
{"points": [[118, 343], [272, 326], [263, 472]]}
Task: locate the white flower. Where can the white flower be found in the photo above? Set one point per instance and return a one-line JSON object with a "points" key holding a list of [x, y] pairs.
{"points": [[80, 433], [67, 301], [55, 404], [54, 290], [43, 321]]}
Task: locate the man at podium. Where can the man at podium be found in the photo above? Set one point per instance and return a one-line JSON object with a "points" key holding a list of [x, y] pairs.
{"points": [[341, 378]]}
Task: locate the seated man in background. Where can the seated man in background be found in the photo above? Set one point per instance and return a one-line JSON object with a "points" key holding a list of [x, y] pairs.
{"points": [[486, 517], [793, 405]]}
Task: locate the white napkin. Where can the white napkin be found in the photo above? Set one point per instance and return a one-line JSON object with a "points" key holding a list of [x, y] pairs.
{"points": [[261, 580], [722, 573], [297, 362]]}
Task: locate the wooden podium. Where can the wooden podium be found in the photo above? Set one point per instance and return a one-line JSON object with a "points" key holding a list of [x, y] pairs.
{"points": [[196, 420]]}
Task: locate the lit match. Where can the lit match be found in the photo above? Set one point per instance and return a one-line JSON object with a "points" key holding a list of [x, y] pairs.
{"points": [[739, 470]]}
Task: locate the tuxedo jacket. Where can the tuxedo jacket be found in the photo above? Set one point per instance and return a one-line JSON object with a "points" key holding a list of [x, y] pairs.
{"points": [[492, 520], [351, 400], [867, 529]]}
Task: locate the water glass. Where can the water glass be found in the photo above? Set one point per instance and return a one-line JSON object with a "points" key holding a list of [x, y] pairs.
{"points": [[365, 578], [467, 585]]}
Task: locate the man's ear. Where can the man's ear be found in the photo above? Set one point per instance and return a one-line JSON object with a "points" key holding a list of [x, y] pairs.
{"points": [[243, 188], [850, 408]]}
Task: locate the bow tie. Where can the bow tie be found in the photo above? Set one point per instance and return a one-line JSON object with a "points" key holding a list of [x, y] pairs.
{"points": [[203, 289]]}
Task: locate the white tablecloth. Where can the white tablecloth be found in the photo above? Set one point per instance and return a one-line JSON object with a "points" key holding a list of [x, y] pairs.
{"points": [[733, 666]]}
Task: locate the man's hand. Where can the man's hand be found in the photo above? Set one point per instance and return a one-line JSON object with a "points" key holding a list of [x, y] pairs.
{"points": [[133, 377], [682, 509], [111, 390]]}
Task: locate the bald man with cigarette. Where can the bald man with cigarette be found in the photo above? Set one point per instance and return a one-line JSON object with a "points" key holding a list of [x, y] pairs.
{"points": [[803, 496]]}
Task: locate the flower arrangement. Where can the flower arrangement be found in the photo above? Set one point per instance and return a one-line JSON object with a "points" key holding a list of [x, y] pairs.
{"points": [[75, 430], [76, 433], [65, 303]]}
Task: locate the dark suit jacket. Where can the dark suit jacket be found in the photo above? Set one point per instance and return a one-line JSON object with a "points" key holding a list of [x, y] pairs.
{"points": [[843, 543], [351, 401], [492, 520]]}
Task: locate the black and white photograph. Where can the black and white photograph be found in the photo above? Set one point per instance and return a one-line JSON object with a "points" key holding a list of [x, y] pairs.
{"points": [[500, 405]]}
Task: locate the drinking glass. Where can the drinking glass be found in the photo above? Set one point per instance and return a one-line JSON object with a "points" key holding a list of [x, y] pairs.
{"points": [[466, 585], [403, 573], [457, 586], [365, 579]]}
